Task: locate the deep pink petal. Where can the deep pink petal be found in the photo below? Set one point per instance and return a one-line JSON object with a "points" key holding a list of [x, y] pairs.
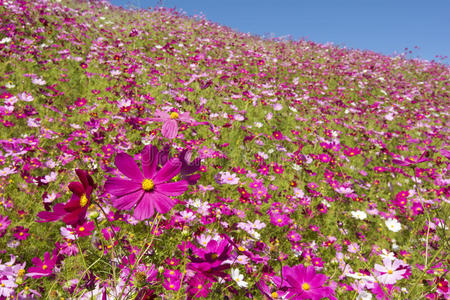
{"points": [[128, 201], [162, 203], [76, 188], [318, 280], [168, 171], [149, 160], [75, 217], [121, 187], [145, 208], [172, 188], [400, 162], [212, 246], [73, 203], [294, 282], [86, 180], [51, 216], [170, 129], [128, 167]]}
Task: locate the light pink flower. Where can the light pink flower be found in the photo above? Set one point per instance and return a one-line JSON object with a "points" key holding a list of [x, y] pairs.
{"points": [[390, 272], [170, 125]]}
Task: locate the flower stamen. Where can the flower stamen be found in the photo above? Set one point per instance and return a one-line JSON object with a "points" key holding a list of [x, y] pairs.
{"points": [[147, 185]]}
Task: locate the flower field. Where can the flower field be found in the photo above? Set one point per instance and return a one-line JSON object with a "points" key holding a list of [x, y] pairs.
{"points": [[145, 154]]}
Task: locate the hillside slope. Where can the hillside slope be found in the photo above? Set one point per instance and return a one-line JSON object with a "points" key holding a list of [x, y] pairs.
{"points": [[316, 171]]}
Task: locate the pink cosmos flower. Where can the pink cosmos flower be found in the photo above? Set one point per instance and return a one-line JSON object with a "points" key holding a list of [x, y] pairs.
{"points": [[199, 286], [4, 223], [390, 272], [279, 220], [412, 160], [42, 268], [211, 261], [148, 189], [7, 286], [21, 233], [170, 126], [74, 211], [85, 229], [172, 284], [302, 282]]}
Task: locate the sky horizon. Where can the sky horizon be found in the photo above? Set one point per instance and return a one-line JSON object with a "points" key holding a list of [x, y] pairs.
{"points": [[383, 26]]}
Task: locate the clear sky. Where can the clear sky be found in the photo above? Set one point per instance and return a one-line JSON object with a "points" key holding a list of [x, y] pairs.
{"points": [[384, 26]]}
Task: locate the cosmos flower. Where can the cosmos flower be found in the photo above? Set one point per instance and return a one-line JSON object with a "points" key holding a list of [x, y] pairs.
{"points": [[393, 225], [199, 286], [412, 160], [170, 126], [4, 223], [74, 211], [147, 190], [359, 215], [238, 278], [390, 272], [42, 268], [302, 282], [211, 261]]}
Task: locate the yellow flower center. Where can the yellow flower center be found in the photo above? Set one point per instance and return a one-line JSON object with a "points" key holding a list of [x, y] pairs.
{"points": [[44, 267], [83, 200], [305, 287], [148, 184], [199, 286], [214, 256], [174, 115], [274, 295], [390, 272], [81, 229]]}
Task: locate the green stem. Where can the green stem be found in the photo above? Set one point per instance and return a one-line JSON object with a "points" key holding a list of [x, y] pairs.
{"points": [[141, 255], [423, 273]]}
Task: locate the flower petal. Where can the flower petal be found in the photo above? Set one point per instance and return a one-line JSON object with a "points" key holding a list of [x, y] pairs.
{"points": [[51, 216], [168, 171], [149, 160], [128, 167], [170, 129], [128, 201], [120, 187], [172, 188], [76, 188], [145, 208], [162, 203]]}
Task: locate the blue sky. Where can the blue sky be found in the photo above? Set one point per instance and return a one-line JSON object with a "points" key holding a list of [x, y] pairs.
{"points": [[384, 26]]}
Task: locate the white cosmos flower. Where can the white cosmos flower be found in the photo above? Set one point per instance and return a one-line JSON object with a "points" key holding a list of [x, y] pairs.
{"points": [[359, 215], [363, 295], [239, 278], [393, 225], [5, 40]]}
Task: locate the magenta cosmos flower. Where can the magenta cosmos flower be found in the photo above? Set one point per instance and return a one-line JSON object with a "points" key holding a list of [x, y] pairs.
{"points": [[74, 211], [42, 268], [211, 261], [300, 282], [170, 126], [148, 189]]}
